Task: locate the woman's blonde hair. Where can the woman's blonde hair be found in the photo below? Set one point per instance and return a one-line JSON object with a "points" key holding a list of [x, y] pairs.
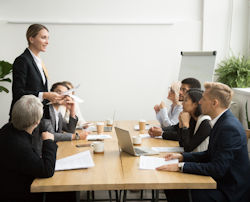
{"points": [[33, 30], [175, 87]]}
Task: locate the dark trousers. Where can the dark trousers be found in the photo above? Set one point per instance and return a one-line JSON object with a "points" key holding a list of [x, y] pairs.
{"points": [[54, 197], [197, 195]]}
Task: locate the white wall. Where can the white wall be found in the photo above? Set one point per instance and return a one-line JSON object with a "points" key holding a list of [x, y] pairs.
{"points": [[122, 67]]}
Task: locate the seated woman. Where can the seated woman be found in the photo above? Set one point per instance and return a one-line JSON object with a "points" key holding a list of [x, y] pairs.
{"points": [[20, 164], [194, 128], [170, 117]]}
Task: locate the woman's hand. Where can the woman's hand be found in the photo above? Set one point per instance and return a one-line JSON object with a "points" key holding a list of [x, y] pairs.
{"points": [[53, 97], [162, 105], [180, 121], [156, 108], [155, 131], [184, 118], [70, 105]]}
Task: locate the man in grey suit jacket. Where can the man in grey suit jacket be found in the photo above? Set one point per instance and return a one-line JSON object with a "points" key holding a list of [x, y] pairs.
{"points": [[57, 125], [63, 130]]}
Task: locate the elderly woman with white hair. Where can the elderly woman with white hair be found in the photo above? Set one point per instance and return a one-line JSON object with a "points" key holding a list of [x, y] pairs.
{"points": [[169, 117], [20, 164]]}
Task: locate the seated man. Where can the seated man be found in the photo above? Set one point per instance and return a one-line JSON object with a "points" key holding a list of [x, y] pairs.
{"points": [[20, 164], [226, 159], [63, 130], [170, 132]]}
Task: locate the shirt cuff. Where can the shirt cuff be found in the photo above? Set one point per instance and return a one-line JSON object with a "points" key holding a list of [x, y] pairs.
{"points": [[40, 96], [181, 165]]}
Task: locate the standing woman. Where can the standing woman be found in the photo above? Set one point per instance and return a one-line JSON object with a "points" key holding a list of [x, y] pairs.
{"points": [[29, 73]]}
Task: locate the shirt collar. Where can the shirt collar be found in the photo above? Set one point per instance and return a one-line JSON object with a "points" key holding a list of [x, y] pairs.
{"points": [[213, 122], [37, 59]]}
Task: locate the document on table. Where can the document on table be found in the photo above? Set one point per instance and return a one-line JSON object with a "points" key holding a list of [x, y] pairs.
{"points": [[150, 162], [169, 149], [148, 136], [76, 161], [98, 137], [91, 129]]}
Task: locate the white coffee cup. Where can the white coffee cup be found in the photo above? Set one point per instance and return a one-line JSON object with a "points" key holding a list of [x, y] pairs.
{"points": [[137, 140], [99, 127], [98, 147]]}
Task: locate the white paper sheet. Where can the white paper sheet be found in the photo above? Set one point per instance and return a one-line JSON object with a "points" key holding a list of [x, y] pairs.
{"points": [[168, 149], [148, 136], [76, 161], [150, 162], [91, 129], [98, 137]]}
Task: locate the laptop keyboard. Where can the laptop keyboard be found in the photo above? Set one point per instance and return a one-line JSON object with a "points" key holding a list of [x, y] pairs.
{"points": [[139, 151]]}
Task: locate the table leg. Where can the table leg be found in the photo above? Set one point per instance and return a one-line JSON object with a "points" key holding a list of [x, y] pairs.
{"points": [[77, 196], [156, 195], [124, 195], [44, 196]]}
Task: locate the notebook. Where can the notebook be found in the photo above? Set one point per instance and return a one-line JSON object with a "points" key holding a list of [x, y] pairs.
{"points": [[126, 145]]}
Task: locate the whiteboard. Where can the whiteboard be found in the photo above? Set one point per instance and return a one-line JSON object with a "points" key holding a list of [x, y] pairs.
{"points": [[199, 65]]}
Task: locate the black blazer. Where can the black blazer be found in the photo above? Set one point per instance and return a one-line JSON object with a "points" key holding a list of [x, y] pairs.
{"points": [[226, 159], [20, 164], [27, 78], [186, 137]]}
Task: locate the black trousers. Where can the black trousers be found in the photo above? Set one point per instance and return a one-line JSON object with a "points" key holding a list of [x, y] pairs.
{"points": [[54, 197], [197, 195]]}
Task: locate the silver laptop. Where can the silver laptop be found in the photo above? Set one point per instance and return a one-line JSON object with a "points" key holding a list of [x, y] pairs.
{"points": [[126, 145]]}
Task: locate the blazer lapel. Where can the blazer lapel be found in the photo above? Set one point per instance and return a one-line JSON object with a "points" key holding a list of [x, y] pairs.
{"points": [[214, 133], [60, 122], [52, 117], [36, 67]]}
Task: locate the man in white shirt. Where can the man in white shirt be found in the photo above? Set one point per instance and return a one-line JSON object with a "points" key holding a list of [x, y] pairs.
{"points": [[62, 130]]}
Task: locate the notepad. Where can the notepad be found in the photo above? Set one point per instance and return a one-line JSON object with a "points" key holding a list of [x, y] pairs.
{"points": [[98, 137], [148, 136], [151, 163], [76, 161], [168, 149]]}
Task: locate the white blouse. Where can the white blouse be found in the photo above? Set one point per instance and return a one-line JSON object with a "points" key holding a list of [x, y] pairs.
{"points": [[170, 117]]}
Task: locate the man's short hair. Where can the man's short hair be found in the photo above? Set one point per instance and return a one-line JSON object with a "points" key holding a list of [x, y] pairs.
{"points": [[191, 82], [219, 91], [27, 111], [54, 86]]}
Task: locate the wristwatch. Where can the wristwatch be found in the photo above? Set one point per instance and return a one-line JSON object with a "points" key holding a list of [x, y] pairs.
{"points": [[77, 136]]}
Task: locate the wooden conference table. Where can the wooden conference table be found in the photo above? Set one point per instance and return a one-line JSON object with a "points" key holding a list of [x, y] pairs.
{"points": [[117, 171]]}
